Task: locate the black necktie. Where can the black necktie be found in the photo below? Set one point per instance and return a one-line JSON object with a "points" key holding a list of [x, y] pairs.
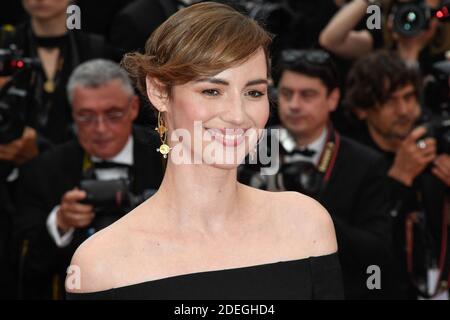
{"points": [[304, 152]]}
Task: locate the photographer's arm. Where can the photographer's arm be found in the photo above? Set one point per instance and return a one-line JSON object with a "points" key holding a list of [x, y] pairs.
{"points": [[69, 215], [61, 235], [72, 213], [441, 168], [410, 160], [22, 149], [4, 80], [340, 38]]}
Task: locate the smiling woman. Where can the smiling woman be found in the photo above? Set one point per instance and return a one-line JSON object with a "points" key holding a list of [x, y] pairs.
{"points": [[203, 235], [197, 44], [188, 56]]}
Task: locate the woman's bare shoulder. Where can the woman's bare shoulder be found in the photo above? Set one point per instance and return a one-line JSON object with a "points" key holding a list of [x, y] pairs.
{"points": [[306, 214], [302, 219], [94, 262]]}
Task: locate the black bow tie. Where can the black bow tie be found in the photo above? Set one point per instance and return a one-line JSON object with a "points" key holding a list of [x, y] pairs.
{"points": [[304, 152], [109, 164]]}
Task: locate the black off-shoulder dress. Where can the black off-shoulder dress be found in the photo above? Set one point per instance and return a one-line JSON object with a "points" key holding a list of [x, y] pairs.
{"points": [[303, 279]]}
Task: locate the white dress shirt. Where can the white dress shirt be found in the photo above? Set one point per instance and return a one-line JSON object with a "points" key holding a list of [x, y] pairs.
{"points": [[289, 144]]}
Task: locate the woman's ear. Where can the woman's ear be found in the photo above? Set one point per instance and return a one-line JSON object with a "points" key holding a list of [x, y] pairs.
{"points": [[156, 94]]}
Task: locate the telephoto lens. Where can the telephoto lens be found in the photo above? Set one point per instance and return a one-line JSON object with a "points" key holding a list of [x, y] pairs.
{"points": [[411, 18]]}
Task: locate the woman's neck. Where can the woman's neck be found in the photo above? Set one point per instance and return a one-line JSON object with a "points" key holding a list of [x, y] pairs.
{"points": [[52, 27], [199, 196]]}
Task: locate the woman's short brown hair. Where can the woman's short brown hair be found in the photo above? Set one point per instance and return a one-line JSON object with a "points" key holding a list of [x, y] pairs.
{"points": [[198, 41]]}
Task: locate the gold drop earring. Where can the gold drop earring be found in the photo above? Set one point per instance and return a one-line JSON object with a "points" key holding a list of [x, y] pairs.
{"points": [[164, 149]]}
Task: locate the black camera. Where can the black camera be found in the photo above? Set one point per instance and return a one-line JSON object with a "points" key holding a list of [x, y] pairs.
{"points": [[112, 196], [12, 61], [13, 101], [15, 94], [437, 102], [301, 176], [411, 18], [437, 89]]}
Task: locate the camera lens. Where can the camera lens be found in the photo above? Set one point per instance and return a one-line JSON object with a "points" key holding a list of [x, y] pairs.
{"points": [[410, 20]]}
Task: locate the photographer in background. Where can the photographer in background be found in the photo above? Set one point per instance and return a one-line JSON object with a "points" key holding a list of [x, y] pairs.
{"points": [[416, 38], [34, 111], [344, 176], [55, 214], [383, 92], [45, 37]]}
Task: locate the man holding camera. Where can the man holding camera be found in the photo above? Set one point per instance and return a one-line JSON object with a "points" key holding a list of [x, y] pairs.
{"points": [[341, 174], [37, 57], [70, 192], [413, 29], [383, 92]]}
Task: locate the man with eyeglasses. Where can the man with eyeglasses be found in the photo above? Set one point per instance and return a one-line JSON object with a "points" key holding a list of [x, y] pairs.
{"points": [[344, 176], [54, 218]]}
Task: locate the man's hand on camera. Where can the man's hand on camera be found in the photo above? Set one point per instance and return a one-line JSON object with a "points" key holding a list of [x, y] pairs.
{"points": [[4, 80], [22, 149], [441, 168], [412, 157], [72, 213]]}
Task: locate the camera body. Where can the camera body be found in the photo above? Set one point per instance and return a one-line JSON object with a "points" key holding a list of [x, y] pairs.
{"points": [[112, 196], [13, 101], [300, 176], [437, 102], [411, 18], [12, 61], [15, 94], [437, 90]]}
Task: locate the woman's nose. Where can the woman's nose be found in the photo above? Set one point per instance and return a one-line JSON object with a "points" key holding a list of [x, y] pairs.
{"points": [[235, 111]]}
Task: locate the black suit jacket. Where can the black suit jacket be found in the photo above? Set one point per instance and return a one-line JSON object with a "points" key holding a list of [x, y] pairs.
{"points": [[42, 183], [356, 198], [358, 201]]}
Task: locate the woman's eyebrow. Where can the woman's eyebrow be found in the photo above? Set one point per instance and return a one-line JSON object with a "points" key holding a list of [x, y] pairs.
{"points": [[226, 83], [214, 80], [257, 81]]}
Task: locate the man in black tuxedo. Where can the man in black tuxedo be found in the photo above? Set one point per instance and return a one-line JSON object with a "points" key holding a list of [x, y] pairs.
{"points": [[343, 175], [53, 220]]}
